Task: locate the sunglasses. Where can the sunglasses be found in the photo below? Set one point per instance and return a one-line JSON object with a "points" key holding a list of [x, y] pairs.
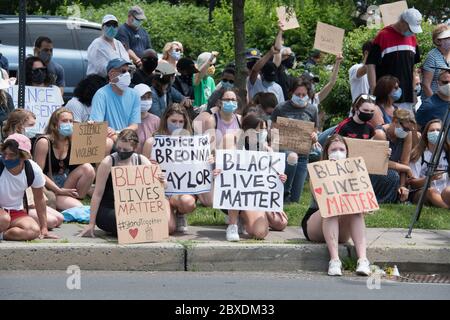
{"points": [[367, 97], [445, 82], [229, 81], [111, 24]]}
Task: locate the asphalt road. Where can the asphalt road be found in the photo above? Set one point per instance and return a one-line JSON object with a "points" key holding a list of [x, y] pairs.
{"points": [[205, 286]]}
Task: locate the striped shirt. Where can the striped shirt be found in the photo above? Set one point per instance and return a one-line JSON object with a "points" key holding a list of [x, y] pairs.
{"points": [[433, 62]]}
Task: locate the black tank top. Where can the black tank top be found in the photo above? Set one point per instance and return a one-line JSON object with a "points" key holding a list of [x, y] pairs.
{"points": [[59, 166]]}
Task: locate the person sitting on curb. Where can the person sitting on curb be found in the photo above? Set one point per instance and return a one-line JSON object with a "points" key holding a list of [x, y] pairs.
{"points": [[102, 205], [17, 173], [338, 229]]}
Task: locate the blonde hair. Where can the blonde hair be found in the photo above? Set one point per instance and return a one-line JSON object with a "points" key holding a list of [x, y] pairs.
{"points": [[168, 47], [52, 129], [16, 120]]}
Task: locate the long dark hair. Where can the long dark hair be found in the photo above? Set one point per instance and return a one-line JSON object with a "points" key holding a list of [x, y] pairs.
{"points": [[29, 70], [418, 150]]}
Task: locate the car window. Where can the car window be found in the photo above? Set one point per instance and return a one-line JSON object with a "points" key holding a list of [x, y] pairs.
{"points": [[60, 35], [9, 34], [86, 35]]}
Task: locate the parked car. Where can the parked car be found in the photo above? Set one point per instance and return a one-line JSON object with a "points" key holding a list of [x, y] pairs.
{"points": [[70, 38]]}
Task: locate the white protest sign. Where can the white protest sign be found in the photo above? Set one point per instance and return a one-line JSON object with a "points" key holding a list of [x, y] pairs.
{"points": [[390, 12], [249, 180], [42, 101], [184, 159]]}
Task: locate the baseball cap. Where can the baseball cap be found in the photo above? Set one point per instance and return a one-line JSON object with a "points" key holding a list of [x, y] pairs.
{"points": [[186, 64], [142, 89], [137, 12], [413, 18], [23, 141], [164, 69], [109, 17], [252, 53], [444, 34], [116, 63], [203, 57], [269, 71]]}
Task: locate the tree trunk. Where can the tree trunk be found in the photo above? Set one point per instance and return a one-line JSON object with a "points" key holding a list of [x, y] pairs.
{"points": [[239, 49]]}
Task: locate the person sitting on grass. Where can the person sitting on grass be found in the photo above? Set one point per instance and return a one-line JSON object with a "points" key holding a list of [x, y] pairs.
{"points": [[17, 173], [338, 229], [102, 204]]}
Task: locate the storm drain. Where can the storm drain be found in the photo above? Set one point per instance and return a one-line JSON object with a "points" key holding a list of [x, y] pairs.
{"points": [[421, 278]]}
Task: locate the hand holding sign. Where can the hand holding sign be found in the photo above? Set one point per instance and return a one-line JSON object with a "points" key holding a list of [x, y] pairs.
{"points": [[329, 39]]}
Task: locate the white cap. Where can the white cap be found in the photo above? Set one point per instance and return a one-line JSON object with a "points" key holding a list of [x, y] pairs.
{"points": [[203, 57], [444, 34], [413, 18], [109, 17], [164, 68], [142, 89]]}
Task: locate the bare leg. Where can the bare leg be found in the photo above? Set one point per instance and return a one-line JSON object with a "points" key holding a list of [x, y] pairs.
{"points": [[22, 229], [170, 217], [183, 204], [353, 226], [330, 229], [5, 220], [206, 199], [54, 218], [278, 221], [436, 199], [81, 179], [233, 216], [256, 223], [446, 196]]}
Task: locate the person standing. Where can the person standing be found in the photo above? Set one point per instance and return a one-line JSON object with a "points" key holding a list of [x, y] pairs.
{"points": [[359, 83]]}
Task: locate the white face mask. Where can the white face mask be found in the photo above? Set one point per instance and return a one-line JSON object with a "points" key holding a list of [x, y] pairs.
{"points": [[146, 105], [337, 155], [124, 81], [445, 89]]}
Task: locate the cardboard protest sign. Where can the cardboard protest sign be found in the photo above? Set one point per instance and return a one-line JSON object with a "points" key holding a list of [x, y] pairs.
{"points": [[88, 142], [374, 152], [139, 204], [295, 135], [249, 180], [287, 17], [42, 101], [342, 187], [184, 159], [390, 12], [329, 38]]}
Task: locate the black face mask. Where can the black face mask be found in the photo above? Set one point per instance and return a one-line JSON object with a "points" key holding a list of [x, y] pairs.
{"points": [[365, 116], [186, 78], [289, 62], [149, 64], [124, 155], [38, 76]]}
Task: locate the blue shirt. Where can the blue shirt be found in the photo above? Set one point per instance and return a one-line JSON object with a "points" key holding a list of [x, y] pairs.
{"points": [[136, 40], [58, 72], [433, 62], [432, 108], [119, 111], [160, 103]]}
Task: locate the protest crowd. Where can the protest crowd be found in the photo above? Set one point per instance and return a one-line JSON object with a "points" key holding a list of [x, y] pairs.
{"points": [[206, 146]]}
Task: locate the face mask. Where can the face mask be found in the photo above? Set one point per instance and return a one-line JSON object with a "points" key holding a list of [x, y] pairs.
{"points": [[11, 164], [400, 133], [397, 94], [418, 89], [433, 137], [226, 85], [38, 76], [136, 23], [289, 62], [408, 33], [445, 89], [229, 106], [124, 81], [65, 129], [110, 32], [211, 70], [186, 78], [267, 84], [124, 155], [172, 127], [365, 116], [149, 64], [302, 102], [176, 55], [337, 155], [445, 44], [146, 105], [30, 132], [45, 56], [262, 136]]}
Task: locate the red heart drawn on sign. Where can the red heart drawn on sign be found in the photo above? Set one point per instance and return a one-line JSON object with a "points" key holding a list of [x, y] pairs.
{"points": [[133, 232], [318, 190]]}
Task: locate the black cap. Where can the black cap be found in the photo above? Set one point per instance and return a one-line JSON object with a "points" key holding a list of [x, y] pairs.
{"points": [[309, 76], [187, 65]]}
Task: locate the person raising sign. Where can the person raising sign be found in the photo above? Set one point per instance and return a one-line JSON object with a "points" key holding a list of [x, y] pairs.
{"points": [[337, 229], [102, 205]]}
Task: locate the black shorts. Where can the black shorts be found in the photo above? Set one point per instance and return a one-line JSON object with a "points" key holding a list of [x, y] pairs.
{"points": [[305, 219]]}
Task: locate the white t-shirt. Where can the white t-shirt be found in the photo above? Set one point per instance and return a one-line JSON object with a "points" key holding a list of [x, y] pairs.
{"points": [[81, 112], [13, 187], [100, 52], [419, 170], [258, 86], [358, 85]]}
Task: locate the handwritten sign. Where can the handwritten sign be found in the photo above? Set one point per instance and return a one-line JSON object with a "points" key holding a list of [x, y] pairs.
{"points": [[184, 159], [249, 180], [42, 101], [139, 204], [374, 152], [342, 187], [294, 135], [88, 142], [287, 17], [329, 38], [390, 12]]}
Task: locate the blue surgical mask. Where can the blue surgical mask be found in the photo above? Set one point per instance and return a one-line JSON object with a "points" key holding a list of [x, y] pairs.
{"points": [[229, 106], [176, 55], [11, 164], [226, 85], [408, 33], [172, 127], [400, 133], [397, 94], [31, 132], [66, 129], [110, 32], [433, 137], [267, 84], [262, 136], [299, 101]]}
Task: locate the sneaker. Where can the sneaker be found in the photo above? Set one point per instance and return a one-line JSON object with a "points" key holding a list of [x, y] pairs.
{"points": [[232, 232], [181, 223], [334, 267], [363, 267], [241, 229]]}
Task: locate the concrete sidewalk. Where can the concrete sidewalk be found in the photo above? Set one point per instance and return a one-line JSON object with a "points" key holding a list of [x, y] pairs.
{"points": [[205, 249]]}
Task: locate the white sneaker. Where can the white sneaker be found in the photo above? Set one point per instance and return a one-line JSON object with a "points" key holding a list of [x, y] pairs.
{"points": [[232, 232], [241, 229], [363, 267], [181, 223], [334, 268]]}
